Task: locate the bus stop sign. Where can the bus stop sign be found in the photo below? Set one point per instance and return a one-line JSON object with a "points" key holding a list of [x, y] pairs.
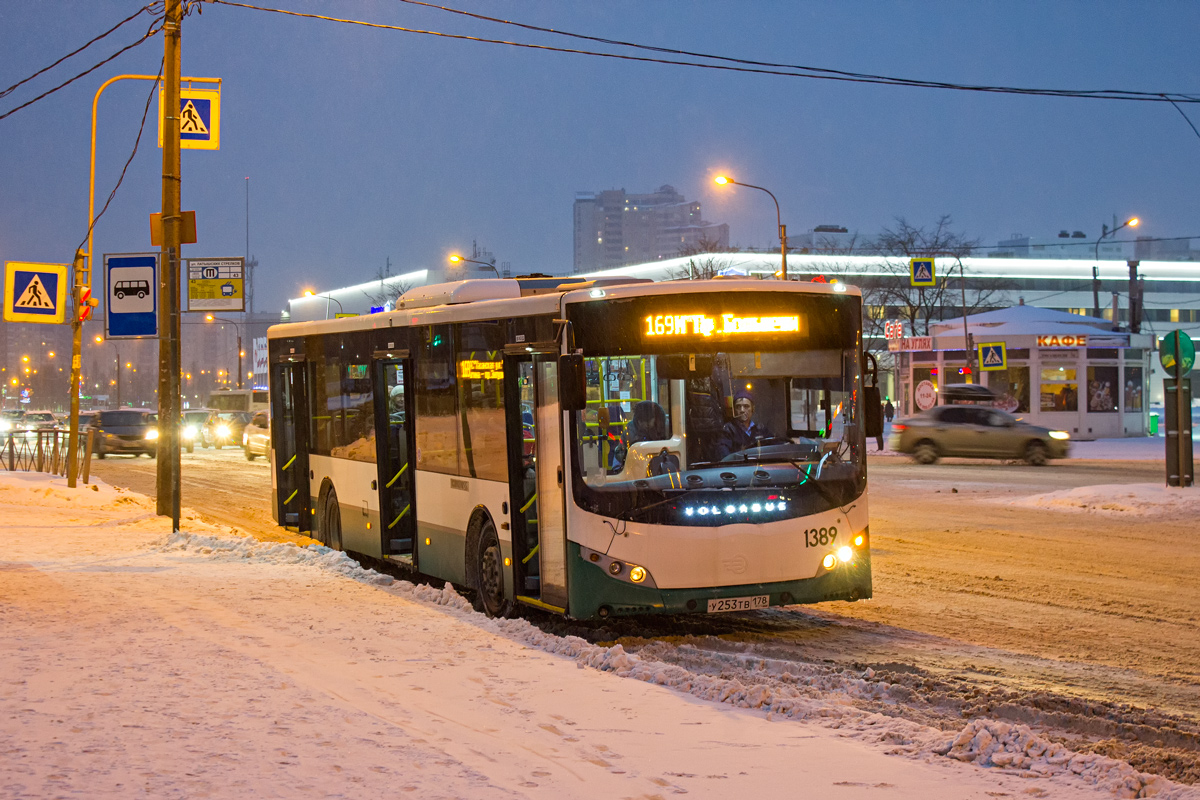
{"points": [[1184, 352]]}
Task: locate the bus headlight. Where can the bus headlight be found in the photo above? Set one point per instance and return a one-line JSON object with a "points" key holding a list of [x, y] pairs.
{"points": [[637, 574], [845, 554], [152, 434], [828, 561], [1059, 435], [858, 540]]}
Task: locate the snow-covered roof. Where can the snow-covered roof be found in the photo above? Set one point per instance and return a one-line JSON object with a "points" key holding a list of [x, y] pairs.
{"points": [[1026, 318]]}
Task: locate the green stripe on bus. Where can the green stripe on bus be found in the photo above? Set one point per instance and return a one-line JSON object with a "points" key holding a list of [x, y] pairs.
{"points": [[398, 474], [290, 496], [532, 553], [531, 502], [290, 460]]}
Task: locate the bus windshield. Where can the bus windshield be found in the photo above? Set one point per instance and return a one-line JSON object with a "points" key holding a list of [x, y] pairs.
{"points": [[716, 433]]}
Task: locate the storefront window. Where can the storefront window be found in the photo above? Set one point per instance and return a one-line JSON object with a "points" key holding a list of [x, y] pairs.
{"points": [[1059, 389], [1102, 390], [1012, 387], [1133, 388]]}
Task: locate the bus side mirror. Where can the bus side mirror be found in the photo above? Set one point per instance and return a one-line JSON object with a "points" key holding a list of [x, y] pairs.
{"points": [[572, 382], [872, 412]]}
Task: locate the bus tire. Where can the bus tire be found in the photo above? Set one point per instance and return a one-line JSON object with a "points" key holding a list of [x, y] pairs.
{"points": [[489, 573], [925, 452], [330, 530]]}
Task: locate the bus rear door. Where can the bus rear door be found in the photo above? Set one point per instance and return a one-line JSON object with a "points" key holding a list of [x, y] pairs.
{"points": [[394, 414], [289, 443]]}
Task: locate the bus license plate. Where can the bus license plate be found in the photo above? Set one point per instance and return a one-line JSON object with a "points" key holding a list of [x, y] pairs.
{"points": [[720, 604]]}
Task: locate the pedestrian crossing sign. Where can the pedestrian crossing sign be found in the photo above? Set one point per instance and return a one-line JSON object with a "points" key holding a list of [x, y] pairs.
{"points": [[199, 119], [35, 292], [993, 356], [921, 272]]}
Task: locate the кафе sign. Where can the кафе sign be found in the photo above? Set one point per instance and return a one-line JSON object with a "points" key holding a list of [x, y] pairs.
{"points": [[1077, 340]]}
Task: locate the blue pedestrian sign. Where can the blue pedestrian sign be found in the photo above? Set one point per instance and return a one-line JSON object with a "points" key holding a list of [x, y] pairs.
{"points": [[35, 292], [993, 356], [131, 296], [199, 119], [921, 272]]}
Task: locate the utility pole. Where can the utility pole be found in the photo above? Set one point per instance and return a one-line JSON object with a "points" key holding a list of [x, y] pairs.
{"points": [[168, 344], [83, 278]]}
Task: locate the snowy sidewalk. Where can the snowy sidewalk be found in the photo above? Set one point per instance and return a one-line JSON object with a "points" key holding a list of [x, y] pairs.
{"points": [[211, 665]]}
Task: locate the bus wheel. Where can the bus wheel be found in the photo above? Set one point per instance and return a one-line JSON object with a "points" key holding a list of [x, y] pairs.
{"points": [[489, 585], [331, 521]]}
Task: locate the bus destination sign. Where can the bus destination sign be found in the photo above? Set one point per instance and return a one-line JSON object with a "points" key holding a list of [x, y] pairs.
{"points": [[723, 325]]}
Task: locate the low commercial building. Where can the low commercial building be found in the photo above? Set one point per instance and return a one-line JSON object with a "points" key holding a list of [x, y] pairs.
{"points": [[1063, 371]]}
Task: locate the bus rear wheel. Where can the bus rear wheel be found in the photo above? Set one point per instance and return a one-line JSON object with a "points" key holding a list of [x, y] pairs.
{"points": [[489, 584], [331, 521]]}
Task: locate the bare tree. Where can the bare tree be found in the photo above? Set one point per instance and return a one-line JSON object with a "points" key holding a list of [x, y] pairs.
{"points": [[704, 262], [388, 289]]}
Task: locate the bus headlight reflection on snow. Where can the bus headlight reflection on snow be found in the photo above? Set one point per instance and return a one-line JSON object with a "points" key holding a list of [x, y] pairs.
{"points": [[1059, 435], [152, 434], [845, 554]]}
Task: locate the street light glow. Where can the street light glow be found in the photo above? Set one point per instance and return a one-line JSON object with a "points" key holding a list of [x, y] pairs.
{"points": [[455, 258], [1133, 222], [308, 292], [209, 317], [721, 180]]}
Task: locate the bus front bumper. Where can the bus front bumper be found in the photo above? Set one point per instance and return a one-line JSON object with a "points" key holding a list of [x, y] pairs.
{"points": [[594, 594]]}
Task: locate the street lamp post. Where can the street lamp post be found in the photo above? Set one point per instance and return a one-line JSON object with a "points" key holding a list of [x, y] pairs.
{"points": [[117, 361], [311, 293], [238, 328], [722, 180], [455, 258], [1132, 222]]}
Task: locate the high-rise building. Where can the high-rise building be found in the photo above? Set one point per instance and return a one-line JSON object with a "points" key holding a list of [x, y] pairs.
{"points": [[613, 228]]}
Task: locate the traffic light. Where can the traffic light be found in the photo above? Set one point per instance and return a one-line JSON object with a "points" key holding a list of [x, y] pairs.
{"points": [[87, 303]]}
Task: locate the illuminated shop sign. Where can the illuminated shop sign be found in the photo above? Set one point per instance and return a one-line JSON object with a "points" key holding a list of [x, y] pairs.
{"points": [[1079, 340], [480, 370], [724, 325]]}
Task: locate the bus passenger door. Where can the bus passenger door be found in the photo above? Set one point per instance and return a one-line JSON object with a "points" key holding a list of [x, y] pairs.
{"points": [[289, 442], [536, 470], [396, 514]]}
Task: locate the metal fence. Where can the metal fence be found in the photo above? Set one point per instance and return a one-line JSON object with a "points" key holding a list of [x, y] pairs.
{"points": [[44, 451]]}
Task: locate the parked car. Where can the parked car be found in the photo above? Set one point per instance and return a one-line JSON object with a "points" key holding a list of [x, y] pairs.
{"points": [[191, 429], [975, 431], [224, 428], [128, 430], [256, 436]]}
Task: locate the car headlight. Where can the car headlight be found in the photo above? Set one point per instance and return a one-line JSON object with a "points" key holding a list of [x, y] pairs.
{"points": [[5, 426], [189, 432], [223, 431], [152, 433], [1059, 435]]}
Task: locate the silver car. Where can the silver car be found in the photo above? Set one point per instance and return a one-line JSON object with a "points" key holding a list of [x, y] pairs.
{"points": [[972, 431], [256, 436]]}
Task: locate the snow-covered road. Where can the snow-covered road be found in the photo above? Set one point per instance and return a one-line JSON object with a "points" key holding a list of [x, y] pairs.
{"points": [[1084, 622], [206, 665]]}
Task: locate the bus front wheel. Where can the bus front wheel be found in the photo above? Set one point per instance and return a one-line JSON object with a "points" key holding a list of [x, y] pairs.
{"points": [[489, 585], [331, 521]]}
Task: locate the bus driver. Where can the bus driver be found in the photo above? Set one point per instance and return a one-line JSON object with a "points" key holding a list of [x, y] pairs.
{"points": [[742, 432]]}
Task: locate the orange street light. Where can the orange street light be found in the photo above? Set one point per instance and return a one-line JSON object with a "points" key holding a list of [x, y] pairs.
{"points": [[455, 258], [725, 180]]}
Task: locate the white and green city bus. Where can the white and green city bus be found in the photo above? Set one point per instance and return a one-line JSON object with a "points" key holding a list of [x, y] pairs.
{"points": [[570, 445]]}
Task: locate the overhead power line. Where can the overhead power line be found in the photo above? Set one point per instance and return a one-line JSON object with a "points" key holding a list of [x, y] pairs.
{"points": [[77, 51], [154, 28], [732, 64]]}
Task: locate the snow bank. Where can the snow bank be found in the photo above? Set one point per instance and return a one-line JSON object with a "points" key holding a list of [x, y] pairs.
{"points": [[1133, 499], [39, 490], [817, 696]]}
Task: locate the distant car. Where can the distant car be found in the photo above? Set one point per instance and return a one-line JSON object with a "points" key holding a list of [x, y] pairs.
{"points": [[12, 419], [256, 436], [224, 427], [191, 429], [40, 421], [974, 431], [128, 430]]}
